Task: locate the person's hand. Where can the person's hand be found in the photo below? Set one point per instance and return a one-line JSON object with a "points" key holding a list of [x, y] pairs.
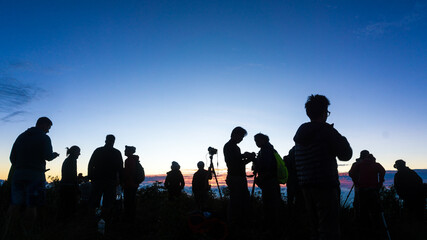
{"points": [[251, 156]]}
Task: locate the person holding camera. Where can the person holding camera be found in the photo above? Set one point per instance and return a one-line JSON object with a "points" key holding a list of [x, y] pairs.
{"points": [[236, 177]]}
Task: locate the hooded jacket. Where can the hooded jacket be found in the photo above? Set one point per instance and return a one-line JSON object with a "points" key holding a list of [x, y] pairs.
{"points": [[367, 173], [174, 180], [317, 145], [408, 183], [129, 172]]}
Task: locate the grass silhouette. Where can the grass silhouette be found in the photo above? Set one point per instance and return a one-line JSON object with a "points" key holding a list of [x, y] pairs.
{"points": [[159, 218]]}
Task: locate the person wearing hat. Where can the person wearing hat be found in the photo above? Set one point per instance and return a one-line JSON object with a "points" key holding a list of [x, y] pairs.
{"points": [[409, 187], [200, 185], [174, 181], [369, 178], [130, 183], [354, 174]]}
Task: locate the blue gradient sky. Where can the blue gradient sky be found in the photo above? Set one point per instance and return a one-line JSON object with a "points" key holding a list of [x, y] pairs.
{"points": [[175, 77]]}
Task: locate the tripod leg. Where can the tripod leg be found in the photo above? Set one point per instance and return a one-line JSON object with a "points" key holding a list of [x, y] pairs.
{"points": [[217, 184]]}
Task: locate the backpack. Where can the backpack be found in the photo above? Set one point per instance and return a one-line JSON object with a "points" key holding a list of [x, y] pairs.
{"points": [[282, 170], [139, 174]]}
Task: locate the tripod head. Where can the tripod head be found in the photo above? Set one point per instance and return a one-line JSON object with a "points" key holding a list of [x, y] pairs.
{"points": [[212, 151]]}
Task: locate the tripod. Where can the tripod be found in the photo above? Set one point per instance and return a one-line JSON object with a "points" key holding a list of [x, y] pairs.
{"points": [[211, 167]]}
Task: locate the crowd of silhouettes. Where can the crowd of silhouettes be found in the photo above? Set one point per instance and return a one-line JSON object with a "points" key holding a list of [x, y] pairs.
{"points": [[312, 178]]}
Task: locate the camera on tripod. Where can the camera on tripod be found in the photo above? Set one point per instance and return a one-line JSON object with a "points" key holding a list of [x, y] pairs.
{"points": [[212, 151]]}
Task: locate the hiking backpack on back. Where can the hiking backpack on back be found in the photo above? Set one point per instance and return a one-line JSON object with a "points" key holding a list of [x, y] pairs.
{"points": [[282, 170], [140, 174]]}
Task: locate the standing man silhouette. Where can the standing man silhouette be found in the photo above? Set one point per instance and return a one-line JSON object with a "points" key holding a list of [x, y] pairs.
{"points": [[317, 144], [200, 185], [105, 170], [236, 177], [29, 154]]}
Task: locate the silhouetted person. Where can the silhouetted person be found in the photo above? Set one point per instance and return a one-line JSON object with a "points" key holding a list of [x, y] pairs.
{"points": [[354, 174], [317, 144], [409, 187], [368, 175], [69, 188], [80, 178], [85, 190], [105, 170], [200, 185], [295, 198], [265, 166], [174, 181], [130, 183], [29, 154], [236, 177]]}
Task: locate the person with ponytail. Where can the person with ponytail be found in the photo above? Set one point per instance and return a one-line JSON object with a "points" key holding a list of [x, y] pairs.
{"points": [[69, 188]]}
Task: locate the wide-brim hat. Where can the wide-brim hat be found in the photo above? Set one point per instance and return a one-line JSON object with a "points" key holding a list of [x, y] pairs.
{"points": [[399, 163]]}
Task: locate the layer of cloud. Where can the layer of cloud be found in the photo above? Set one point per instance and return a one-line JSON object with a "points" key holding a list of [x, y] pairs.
{"points": [[382, 27], [13, 97], [14, 116]]}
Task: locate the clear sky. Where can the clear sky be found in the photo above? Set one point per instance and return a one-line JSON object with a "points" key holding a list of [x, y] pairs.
{"points": [[175, 77]]}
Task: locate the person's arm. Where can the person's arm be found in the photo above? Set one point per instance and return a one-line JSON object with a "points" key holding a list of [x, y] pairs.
{"points": [[181, 180], [12, 156], [381, 174], [166, 184], [49, 155], [74, 171], [91, 165], [354, 173], [397, 185], [341, 146], [209, 173], [119, 166], [248, 157]]}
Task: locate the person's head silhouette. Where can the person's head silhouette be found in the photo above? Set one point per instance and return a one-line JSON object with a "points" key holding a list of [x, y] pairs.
{"points": [[73, 151], [261, 139], [399, 164], [175, 166], [201, 165], [238, 134], [317, 108], [129, 150], [109, 140], [44, 124]]}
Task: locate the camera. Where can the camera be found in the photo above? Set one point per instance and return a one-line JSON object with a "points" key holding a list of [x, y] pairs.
{"points": [[212, 151]]}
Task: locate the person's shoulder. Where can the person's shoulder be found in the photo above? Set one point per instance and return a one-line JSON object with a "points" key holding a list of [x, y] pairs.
{"points": [[228, 144], [99, 149], [378, 165]]}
